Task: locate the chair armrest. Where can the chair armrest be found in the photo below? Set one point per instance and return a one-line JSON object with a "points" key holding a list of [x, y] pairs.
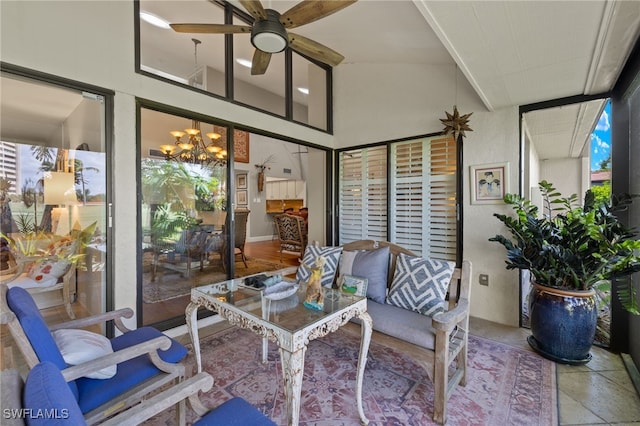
{"points": [[17, 270], [116, 316], [152, 406], [149, 347], [446, 321]]}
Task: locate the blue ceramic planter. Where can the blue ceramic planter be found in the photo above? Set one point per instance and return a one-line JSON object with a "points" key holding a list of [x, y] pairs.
{"points": [[563, 324]]}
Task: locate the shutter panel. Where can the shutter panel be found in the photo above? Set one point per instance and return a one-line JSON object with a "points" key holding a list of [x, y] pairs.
{"points": [[363, 194], [423, 196]]}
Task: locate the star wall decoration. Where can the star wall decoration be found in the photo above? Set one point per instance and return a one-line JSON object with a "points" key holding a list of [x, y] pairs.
{"points": [[456, 124]]}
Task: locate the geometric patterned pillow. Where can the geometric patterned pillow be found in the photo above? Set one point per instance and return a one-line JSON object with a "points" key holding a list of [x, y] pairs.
{"points": [[332, 258], [420, 284]]}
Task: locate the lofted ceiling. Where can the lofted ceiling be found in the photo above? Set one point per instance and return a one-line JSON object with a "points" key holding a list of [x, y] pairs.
{"points": [[512, 52]]}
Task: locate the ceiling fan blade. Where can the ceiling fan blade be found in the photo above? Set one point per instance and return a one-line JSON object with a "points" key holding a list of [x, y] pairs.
{"points": [[260, 62], [314, 50], [255, 8], [210, 28], [311, 10]]}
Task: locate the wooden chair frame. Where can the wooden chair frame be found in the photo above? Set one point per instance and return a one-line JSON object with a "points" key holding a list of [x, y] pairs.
{"points": [[172, 373], [299, 229]]}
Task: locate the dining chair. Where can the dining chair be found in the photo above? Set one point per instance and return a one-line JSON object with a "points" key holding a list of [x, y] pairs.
{"points": [[292, 233], [239, 238]]}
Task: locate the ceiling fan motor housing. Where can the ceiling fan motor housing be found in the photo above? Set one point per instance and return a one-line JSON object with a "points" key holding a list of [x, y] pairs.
{"points": [[269, 35]]}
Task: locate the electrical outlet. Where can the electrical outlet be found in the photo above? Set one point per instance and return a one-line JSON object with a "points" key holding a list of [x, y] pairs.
{"points": [[484, 279]]}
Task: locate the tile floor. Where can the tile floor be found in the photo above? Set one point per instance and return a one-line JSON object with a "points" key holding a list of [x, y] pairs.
{"points": [[598, 393]]}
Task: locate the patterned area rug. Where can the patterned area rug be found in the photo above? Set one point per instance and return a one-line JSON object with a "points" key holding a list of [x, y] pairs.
{"points": [[505, 386], [171, 284]]}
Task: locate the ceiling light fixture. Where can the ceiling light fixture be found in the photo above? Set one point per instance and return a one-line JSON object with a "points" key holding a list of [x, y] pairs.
{"points": [[195, 150], [269, 35], [154, 20]]}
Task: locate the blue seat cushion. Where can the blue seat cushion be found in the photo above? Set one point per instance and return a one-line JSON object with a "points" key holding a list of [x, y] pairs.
{"points": [[36, 329], [48, 399], [95, 392], [235, 412]]}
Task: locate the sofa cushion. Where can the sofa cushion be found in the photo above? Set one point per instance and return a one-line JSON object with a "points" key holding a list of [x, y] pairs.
{"points": [[332, 258], [402, 324], [370, 264], [235, 412], [45, 391], [94, 392], [420, 284], [22, 305]]}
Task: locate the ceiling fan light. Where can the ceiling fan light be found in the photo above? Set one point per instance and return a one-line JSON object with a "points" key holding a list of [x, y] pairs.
{"points": [[269, 35]]}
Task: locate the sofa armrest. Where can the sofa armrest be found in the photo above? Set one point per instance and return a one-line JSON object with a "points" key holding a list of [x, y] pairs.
{"points": [[116, 316], [149, 347], [446, 321]]}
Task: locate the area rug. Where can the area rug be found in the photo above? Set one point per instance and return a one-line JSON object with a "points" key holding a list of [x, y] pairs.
{"points": [[505, 386], [171, 284]]}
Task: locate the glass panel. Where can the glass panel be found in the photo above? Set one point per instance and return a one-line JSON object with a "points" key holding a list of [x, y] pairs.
{"points": [[53, 192], [265, 91], [172, 55], [309, 93], [184, 196], [185, 211]]}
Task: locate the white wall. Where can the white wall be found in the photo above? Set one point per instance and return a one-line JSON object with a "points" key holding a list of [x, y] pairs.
{"points": [[93, 42]]}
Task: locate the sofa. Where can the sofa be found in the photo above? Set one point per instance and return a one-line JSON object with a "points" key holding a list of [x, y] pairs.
{"points": [[418, 306]]}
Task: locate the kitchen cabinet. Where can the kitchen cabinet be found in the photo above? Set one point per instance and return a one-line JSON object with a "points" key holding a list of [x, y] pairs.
{"points": [[286, 190]]}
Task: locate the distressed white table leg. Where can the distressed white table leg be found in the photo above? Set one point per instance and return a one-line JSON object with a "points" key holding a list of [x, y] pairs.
{"points": [[266, 305], [366, 326], [292, 371], [191, 317]]}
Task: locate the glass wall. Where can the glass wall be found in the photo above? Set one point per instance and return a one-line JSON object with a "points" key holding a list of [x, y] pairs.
{"points": [[198, 227], [53, 195], [204, 61]]}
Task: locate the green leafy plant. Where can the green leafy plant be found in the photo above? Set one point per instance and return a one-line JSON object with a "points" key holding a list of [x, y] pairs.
{"points": [[569, 246]]}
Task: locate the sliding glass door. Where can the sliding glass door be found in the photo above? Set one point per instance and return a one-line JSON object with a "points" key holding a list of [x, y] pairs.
{"points": [[53, 193]]}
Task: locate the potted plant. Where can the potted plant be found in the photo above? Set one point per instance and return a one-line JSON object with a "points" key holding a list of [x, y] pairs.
{"points": [[569, 250]]}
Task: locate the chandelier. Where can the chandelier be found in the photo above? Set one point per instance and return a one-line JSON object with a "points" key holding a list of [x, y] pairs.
{"points": [[194, 149]]}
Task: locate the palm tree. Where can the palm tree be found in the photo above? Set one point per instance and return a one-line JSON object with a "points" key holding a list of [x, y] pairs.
{"points": [[79, 179]]}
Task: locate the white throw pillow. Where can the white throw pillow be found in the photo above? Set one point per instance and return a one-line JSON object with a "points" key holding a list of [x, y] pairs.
{"points": [[78, 346]]}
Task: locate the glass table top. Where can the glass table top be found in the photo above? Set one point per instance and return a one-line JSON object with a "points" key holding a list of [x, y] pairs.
{"points": [[288, 313]]}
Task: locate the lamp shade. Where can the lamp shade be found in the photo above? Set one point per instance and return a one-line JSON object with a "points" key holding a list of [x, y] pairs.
{"points": [[59, 188]]}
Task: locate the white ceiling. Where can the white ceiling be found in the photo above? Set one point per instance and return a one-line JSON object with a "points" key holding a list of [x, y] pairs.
{"points": [[512, 52]]}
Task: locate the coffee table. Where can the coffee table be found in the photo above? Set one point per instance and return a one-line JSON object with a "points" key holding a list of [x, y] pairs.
{"points": [[286, 322]]}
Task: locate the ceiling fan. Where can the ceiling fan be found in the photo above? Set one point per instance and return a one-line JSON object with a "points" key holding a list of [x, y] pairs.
{"points": [[269, 31]]}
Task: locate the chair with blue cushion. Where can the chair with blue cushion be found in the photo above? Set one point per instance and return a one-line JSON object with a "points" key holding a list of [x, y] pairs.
{"points": [[146, 358], [45, 391]]}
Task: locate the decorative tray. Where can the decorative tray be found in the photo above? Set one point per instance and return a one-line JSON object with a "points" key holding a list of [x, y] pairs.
{"points": [[281, 290]]}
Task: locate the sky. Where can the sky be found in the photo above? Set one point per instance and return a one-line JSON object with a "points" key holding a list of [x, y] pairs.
{"points": [[601, 138]]}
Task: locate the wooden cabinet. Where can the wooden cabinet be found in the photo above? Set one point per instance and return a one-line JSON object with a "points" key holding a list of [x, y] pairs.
{"points": [[288, 193], [286, 190]]}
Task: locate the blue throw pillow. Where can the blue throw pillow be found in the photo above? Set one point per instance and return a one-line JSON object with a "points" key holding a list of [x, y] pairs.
{"points": [[332, 258], [370, 264], [420, 284]]}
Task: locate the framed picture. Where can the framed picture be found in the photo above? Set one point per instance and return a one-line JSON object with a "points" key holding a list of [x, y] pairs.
{"points": [[354, 285], [240, 143], [241, 197], [242, 181], [489, 183]]}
